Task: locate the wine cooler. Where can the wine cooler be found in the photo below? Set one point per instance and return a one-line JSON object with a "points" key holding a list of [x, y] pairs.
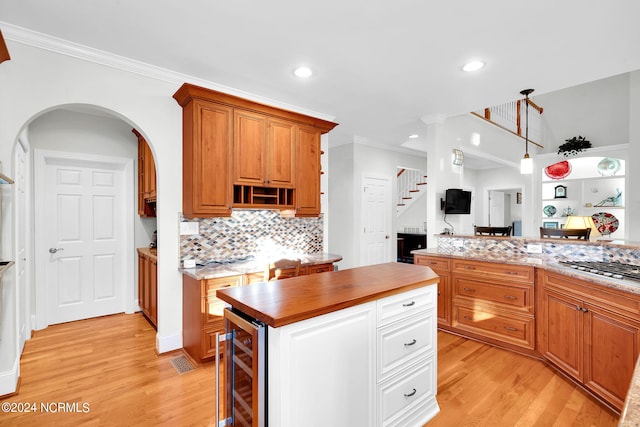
{"points": [[244, 394]]}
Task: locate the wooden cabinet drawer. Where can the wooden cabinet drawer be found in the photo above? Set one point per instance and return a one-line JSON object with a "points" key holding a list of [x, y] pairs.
{"points": [[402, 342], [208, 342], [509, 328], [319, 268], [210, 286], [510, 272], [511, 296], [398, 396], [403, 305], [436, 264], [212, 311]]}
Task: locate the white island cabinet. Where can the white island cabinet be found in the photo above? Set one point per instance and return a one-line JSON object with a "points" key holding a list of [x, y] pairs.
{"points": [[372, 364]]}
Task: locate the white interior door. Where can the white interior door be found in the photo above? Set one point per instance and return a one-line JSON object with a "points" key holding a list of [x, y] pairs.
{"points": [[22, 213], [84, 239], [496, 209], [376, 220]]}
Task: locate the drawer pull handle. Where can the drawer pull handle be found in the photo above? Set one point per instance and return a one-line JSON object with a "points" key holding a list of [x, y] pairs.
{"points": [[469, 289], [469, 267], [582, 309], [408, 344], [411, 394], [509, 328], [468, 318], [409, 304], [510, 297], [514, 273]]}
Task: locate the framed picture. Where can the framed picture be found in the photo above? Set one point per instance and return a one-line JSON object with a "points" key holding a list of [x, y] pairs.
{"points": [[518, 198], [561, 192], [550, 224]]}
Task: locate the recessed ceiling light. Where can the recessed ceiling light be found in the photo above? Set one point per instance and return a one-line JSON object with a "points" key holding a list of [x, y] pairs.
{"points": [[414, 136], [303, 72], [472, 66]]}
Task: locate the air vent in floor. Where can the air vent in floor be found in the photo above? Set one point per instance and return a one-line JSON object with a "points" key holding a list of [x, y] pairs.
{"points": [[181, 364]]}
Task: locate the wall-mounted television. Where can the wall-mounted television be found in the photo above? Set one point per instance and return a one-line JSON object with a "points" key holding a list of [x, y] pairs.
{"points": [[457, 201]]}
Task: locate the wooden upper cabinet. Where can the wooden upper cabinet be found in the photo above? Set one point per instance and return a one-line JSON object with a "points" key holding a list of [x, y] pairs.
{"points": [[307, 198], [146, 178], [280, 153], [240, 153], [206, 165]]}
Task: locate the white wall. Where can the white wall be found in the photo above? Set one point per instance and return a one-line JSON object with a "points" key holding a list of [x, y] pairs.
{"points": [[35, 81], [348, 164], [633, 171]]}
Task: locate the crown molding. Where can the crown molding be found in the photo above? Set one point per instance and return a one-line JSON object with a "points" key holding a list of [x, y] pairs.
{"points": [[65, 47]]}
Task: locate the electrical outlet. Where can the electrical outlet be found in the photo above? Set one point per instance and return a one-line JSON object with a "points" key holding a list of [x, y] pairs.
{"points": [[534, 249], [187, 228], [458, 243]]}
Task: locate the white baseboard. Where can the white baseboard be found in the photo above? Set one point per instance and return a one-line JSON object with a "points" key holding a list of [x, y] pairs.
{"points": [[168, 343], [9, 379]]}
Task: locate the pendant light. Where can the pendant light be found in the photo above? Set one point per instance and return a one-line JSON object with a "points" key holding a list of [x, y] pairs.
{"points": [[526, 163]]}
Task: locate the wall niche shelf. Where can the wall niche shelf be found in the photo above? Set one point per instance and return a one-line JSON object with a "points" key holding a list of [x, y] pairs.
{"points": [[586, 188]]}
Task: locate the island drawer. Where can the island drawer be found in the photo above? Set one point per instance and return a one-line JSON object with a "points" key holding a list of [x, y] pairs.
{"points": [[514, 296], [406, 392], [494, 270], [400, 343], [397, 307], [507, 327]]}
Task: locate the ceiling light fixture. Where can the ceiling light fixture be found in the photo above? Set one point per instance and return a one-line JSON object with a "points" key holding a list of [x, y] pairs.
{"points": [[526, 163], [414, 136], [457, 157], [472, 66], [303, 72]]}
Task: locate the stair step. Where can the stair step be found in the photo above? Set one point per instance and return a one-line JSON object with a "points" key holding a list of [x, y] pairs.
{"points": [[414, 191], [421, 183], [401, 204], [407, 198]]}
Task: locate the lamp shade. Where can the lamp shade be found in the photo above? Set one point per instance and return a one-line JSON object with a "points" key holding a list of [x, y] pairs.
{"points": [[526, 165], [574, 221]]}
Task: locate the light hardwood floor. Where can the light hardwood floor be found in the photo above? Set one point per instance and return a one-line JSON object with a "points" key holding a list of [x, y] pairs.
{"points": [[110, 363]]}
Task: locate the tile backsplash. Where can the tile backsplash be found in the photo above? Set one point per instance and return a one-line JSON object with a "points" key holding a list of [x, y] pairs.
{"points": [[251, 233]]}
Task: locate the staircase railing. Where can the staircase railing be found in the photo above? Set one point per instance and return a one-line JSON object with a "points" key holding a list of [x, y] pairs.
{"points": [[410, 184], [509, 116]]}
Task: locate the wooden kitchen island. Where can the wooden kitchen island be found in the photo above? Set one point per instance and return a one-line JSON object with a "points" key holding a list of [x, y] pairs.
{"points": [[355, 347]]}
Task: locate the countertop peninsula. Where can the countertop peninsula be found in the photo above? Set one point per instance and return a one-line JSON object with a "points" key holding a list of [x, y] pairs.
{"points": [[226, 269], [282, 302]]}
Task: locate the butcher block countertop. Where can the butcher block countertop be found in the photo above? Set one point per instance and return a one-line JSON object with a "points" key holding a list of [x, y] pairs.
{"points": [[286, 301]]}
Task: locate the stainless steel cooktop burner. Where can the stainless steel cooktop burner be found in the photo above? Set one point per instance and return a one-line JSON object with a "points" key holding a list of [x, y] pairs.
{"points": [[616, 270]]}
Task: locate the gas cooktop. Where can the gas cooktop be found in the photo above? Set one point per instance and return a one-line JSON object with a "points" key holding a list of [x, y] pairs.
{"points": [[616, 270]]}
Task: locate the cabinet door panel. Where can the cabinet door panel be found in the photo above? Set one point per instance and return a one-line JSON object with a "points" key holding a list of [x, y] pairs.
{"points": [[614, 343], [563, 342], [281, 150], [249, 143], [206, 188], [307, 172]]}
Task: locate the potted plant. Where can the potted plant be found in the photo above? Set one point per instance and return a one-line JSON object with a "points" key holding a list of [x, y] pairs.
{"points": [[574, 145]]}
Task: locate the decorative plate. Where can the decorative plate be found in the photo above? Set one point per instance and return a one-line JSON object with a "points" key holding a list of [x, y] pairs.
{"points": [[606, 223], [549, 210], [608, 166], [558, 170]]}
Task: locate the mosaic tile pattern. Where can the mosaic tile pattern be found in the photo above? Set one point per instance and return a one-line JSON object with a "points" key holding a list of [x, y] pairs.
{"points": [[249, 234], [496, 249]]}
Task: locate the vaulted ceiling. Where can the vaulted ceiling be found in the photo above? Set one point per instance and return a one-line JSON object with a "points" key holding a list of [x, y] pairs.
{"points": [[379, 67]]}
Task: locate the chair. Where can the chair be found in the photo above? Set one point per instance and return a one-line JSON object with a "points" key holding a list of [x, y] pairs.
{"points": [[492, 231], [281, 269], [578, 233]]}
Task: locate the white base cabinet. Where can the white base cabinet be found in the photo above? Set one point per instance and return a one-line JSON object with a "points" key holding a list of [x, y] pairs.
{"points": [[373, 364]]}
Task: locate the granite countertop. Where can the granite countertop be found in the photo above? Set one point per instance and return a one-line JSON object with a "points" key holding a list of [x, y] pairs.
{"points": [[287, 301], [621, 243], [539, 261], [150, 252], [217, 270]]}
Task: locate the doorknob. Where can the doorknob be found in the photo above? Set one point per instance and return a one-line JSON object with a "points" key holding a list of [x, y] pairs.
{"points": [[387, 236], [54, 250]]}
